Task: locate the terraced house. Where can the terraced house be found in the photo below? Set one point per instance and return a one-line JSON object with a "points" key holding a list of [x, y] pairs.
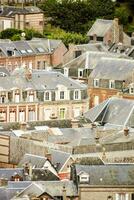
{"points": [[110, 77], [35, 54], [40, 95]]}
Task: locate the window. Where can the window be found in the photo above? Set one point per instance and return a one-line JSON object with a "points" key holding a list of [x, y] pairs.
{"points": [[27, 23], [78, 53], [12, 116], [21, 116], [31, 97], [131, 90], [31, 115], [47, 96], [96, 82], [80, 73], [96, 100], [44, 64], [121, 196], [38, 64], [76, 95], [40, 50], [40, 22], [17, 98], [62, 95], [10, 53], [2, 99], [23, 51], [62, 113], [111, 84], [132, 197], [29, 50]]}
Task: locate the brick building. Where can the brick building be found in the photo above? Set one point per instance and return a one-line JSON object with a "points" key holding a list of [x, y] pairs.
{"points": [[111, 76], [35, 53], [40, 95], [21, 18]]}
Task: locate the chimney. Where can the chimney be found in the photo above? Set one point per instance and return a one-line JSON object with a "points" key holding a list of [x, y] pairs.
{"points": [[23, 126], [75, 123], [94, 37], [48, 156], [121, 34], [116, 30], [30, 171], [28, 74], [126, 131], [64, 193]]}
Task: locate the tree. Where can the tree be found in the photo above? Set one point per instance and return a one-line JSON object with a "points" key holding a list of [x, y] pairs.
{"points": [[9, 33], [122, 14], [75, 16]]}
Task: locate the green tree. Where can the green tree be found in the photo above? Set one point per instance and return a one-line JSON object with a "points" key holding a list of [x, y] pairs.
{"points": [[75, 16], [122, 14], [9, 33], [16, 37]]}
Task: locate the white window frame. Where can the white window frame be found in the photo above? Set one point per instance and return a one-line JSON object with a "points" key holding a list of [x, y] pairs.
{"points": [[79, 71], [63, 95], [64, 113], [78, 93], [130, 90], [47, 99], [112, 84], [96, 83]]}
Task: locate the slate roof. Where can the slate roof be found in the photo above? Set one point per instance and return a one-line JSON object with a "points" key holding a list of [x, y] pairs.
{"points": [[4, 72], [89, 59], [73, 136], [100, 27], [115, 111], [8, 11], [113, 69], [8, 193], [108, 175], [34, 160], [7, 173], [41, 80], [53, 188], [58, 158], [36, 46], [98, 46]]}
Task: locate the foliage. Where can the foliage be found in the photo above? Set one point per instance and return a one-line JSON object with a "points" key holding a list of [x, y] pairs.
{"points": [[9, 33], [16, 37], [66, 37], [75, 16], [122, 14], [30, 33]]}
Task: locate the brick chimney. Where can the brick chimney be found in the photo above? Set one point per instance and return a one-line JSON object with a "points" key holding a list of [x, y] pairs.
{"points": [[64, 193], [23, 126], [95, 38], [116, 30], [75, 123], [28, 74], [48, 156], [126, 131]]}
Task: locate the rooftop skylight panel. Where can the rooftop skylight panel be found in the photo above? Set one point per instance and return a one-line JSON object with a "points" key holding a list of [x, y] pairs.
{"points": [[29, 50], [23, 51], [40, 49]]}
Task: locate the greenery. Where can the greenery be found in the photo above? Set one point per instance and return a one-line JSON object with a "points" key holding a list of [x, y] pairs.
{"points": [[76, 16]]}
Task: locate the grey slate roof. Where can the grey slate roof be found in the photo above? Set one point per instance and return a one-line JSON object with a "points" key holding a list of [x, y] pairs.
{"points": [[41, 80], [109, 175], [8, 11], [90, 59], [100, 27], [8, 173], [8, 193], [73, 136], [98, 46], [113, 69], [4, 71], [34, 160], [36, 46], [54, 188], [59, 158], [115, 111]]}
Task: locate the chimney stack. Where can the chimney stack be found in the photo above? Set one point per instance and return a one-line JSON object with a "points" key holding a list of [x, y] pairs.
{"points": [[23, 126], [126, 131], [64, 193], [95, 38], [116, 30], [75, 123]]}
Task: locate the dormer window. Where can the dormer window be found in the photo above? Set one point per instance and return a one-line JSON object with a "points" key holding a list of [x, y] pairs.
{"points": [[76, 95], [17, 97], [31, 96], [131, 89], [96, 82], [47, 96], [80, 73], [62, 94], [10, 53], [111, 84], [84, 177]]}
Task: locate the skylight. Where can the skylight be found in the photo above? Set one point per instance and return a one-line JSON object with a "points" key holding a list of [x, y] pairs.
{"points": [[40, 49], [23, 51], [29, 50]]}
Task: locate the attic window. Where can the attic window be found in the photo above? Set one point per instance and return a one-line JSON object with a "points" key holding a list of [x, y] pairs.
{"points": [[29, 51], [40, 49], [111, 84], [96, 82], [23, 51]]}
